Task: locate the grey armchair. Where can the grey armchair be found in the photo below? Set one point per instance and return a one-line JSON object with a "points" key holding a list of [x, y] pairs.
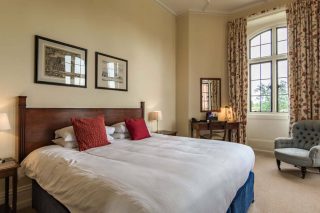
{"points": [[303, 149]]}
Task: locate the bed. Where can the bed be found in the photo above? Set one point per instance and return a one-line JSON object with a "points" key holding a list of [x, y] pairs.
{"points": [[157, 174]]}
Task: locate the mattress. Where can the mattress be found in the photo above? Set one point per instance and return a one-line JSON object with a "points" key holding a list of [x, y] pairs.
{"points": [[158, 174]]}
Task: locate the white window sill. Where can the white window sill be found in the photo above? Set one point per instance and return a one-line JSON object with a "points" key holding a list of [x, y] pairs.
{"points": [[268, 116]]}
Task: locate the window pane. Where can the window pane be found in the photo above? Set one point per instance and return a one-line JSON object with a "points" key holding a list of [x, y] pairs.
{"points": [[266, 37], [255, 52], [282, 34], [205, 88], [282, 86], [283, 103], [266, 70], [255, 104], [265, 87], [255, 71], [255, 87], [282, 47], [282, 68], [255, 41], [265, 103], [266, 50]]}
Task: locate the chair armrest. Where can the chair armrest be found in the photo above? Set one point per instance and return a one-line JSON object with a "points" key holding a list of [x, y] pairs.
{"points": [[283, 143], [315, 153]]}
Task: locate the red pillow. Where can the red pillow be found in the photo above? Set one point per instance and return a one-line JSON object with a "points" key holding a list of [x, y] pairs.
{"points": [[137, 128], [90, 132]]}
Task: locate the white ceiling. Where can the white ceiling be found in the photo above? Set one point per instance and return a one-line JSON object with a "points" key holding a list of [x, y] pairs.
{"points": [[216, 6]]}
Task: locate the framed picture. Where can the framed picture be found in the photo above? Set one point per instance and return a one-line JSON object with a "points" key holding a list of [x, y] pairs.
{"points": [[111, 72], [59, 63]]}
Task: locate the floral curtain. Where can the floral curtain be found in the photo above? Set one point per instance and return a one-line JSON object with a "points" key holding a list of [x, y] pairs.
{"points": [[303, 17], [238, 73]]}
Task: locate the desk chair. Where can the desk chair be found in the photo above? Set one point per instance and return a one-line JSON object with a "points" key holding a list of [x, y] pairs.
{"points": [[217, 131]]}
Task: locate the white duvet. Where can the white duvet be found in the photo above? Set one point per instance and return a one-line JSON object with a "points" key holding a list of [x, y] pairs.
{"points": [[164, 174]]}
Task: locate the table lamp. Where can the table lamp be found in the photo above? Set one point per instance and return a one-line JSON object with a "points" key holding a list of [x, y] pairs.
{"points": [[4, 125], [228, 113], [155, 116]]}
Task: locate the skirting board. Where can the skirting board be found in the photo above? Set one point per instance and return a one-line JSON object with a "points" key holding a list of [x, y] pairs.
{"points": [[261, 144], [24, 196]]}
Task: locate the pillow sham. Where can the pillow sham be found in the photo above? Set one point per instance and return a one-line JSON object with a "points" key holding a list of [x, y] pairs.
{"points": [[90, 132], [67, 133], [120, 127], [118, 135], [137, 128], [110, 130], [73, 144], [66, 144]]}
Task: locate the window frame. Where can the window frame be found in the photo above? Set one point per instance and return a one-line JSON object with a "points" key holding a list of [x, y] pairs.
{"points": [[277, 79], [274, 69], [260, 44], [281, 40], [271, 94]]}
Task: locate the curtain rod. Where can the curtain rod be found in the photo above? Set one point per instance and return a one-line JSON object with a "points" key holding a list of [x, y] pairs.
{"points": [[266, 13]]}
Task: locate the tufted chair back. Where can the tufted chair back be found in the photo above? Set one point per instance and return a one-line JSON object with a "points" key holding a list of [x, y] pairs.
{"points": [[306, 134]]}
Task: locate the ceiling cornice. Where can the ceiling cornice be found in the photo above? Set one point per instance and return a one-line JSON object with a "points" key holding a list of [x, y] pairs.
{"points": [[212, 12], [166, 7]]}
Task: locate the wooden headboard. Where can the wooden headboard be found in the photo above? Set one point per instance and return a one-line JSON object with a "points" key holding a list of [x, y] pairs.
{"points": [[37, 125]]}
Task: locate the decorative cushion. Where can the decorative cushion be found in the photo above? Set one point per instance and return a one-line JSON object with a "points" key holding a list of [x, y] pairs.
{"points": [[137, 129], [90, 132], [67, 134]]}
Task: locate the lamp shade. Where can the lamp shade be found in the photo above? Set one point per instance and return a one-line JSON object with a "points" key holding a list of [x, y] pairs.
{"points": [[4, 122], [155, 116]]}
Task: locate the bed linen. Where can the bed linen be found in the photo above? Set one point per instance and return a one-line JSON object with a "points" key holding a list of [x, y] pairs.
{"points": [[157, 174]]}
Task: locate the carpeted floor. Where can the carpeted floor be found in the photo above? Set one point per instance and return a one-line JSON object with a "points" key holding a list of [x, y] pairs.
{"points": [[280, 192], [285, 191]]}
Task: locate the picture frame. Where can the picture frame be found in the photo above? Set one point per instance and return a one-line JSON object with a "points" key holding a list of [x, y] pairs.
{"points": [[58, 63], [111, 73]]}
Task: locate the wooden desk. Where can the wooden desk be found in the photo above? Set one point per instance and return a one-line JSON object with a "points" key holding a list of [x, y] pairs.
{"points": [[203, 125]]}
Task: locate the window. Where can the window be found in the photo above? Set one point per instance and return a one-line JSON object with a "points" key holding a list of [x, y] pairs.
{"points": [[268, 66]]}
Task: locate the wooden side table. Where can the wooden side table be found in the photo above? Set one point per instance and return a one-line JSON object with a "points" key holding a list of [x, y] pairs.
{"points": [[167, 132], [9, 169]]}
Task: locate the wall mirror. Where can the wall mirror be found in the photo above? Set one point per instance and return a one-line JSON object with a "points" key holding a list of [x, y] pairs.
{"points": [[210, 94]]}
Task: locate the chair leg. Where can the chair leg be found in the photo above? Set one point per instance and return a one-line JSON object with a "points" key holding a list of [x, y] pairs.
{"points": [[303, 172], [278, 164]]}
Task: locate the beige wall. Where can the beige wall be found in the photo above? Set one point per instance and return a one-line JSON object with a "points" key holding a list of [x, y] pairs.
{"points": [[182, 74], [208, 54], [140, 31], [201, 49]]}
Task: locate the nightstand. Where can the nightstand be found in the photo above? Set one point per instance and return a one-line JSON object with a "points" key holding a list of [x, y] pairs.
{"points": [[9, 169], [167, 132]]}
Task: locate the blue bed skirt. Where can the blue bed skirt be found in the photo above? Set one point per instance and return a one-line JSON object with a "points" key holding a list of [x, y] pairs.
{"points": [[244, 197]]}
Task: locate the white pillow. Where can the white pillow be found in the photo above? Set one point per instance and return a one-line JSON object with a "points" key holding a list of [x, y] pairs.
{"points": [[73, 144], [66, 144], [67, 133], [118, 135], [110, 130], [120, 127]]}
